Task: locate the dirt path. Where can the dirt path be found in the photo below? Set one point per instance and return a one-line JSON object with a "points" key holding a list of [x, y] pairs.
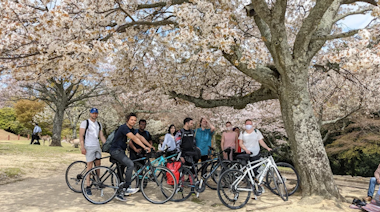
{"points": [[50, 193]]}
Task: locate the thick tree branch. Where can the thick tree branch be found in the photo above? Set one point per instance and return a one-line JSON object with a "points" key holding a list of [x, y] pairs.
{"points": [[373, 2], [124, 27], [259, 95], [266, 76], [261, 8], [335, 36], [342, 16], [309, 26], [160, 4]]}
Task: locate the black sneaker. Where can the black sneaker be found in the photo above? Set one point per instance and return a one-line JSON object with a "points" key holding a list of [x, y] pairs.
{"points": [[88, 191], [120, 197]]}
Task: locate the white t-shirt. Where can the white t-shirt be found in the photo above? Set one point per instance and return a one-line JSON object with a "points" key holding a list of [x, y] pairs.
{"points": [[251, 141], [92, 134]]}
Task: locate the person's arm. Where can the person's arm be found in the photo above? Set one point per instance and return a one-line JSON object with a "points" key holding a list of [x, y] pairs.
{"points": [[102, 137], [263, 144], [241, 143], [133, 147], [236, 142], [143, 140], [212, 128], [222, 142], [137, 140], [81, 140], [166, 142]]}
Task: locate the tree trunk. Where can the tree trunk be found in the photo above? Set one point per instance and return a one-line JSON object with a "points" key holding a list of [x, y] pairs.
{"points": [[309, 155], [74, 128], [57, 126]]}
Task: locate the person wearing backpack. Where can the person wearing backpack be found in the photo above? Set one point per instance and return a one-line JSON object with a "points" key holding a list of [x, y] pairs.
{"points": [[250, 141], [117, 151], [187, 142], [89, 133], [135, 151]]}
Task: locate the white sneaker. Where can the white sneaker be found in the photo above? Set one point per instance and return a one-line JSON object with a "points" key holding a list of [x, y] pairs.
{"points": [[131, 191]]}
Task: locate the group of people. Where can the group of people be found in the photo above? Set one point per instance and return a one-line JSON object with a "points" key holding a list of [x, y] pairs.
{"points": [[193, 144]]}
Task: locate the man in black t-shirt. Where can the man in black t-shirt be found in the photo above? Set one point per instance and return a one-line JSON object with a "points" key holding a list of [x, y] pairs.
{"points": [[187, 143], [135, 151], [118, 148]]}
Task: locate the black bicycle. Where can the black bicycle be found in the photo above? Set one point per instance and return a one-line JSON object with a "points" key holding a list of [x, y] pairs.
{"points": [[105, 184]]}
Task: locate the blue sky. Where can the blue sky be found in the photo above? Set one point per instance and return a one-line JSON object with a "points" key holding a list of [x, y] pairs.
{"points": [[356, 22]]}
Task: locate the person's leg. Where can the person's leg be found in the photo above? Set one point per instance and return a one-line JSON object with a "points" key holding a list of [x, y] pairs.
{"points": [[32, 139], [120, 156], [371, 188]]}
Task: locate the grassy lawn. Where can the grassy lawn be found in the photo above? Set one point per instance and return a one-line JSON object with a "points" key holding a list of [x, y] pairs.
{"points": [[20, 160]]}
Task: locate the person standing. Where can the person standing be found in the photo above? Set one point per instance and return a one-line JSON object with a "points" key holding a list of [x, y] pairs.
{"points": [[135, 151], [203, 137], [187, 142], [118, 148], [89, 133], [36, 134], [250, 141], [229, 140], [237, 131]]}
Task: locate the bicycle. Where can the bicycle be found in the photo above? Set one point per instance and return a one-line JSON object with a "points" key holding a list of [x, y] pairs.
{"points": [[189, 182], [288, 172], [234, 184], [105, 183], [74, 174]]}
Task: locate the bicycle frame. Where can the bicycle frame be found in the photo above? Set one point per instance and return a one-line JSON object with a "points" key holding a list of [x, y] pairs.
{"points": [[248, 170]]}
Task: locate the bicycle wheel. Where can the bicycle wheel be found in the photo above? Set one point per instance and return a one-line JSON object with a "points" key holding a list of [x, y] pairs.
{"points": [[74, 175], [278, 183], [156, 187], [185, 185], [212, 181], [103, 185], [289, 175], [234, 190]]}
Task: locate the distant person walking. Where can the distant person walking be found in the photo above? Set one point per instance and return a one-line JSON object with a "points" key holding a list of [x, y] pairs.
{"points": [[36, 134], [89, 133]]}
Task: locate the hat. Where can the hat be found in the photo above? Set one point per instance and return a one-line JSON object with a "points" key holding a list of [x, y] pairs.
{"points": [[94, 110]]}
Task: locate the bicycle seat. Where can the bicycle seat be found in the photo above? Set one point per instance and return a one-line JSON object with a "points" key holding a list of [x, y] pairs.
{"points": [[243, 157], [113, 160]]}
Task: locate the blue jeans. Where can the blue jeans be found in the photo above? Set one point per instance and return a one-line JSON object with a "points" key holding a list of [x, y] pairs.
{"points": [[120, 156], [372, 184]]}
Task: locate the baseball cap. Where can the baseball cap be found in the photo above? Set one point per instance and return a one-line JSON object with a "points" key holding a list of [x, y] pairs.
{"points": [[94, 110]]}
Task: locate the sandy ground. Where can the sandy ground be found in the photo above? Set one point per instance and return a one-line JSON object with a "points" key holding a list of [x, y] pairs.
{"points": [[4, 136], [45, 189]]}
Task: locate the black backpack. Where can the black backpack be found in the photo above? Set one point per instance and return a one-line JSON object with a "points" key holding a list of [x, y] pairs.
{"points": [[110, 139]]}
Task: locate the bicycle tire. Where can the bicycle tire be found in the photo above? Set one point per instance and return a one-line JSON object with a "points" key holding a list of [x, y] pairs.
{"points": [[74, 175], [103, 185], [185, 185], [212, 181], [290, 177], [155, 187], [137, 179], [279, 183], [226, 188]]}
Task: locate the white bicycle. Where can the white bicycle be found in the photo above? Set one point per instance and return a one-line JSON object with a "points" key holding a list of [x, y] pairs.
{"points": [[235, 185]]}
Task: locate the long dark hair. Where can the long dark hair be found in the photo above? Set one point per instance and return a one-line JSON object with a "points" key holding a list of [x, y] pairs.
{"points": [[171, 127]]}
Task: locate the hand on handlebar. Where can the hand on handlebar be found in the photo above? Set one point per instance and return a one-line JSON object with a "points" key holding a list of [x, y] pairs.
{"points": [[147, 149]]}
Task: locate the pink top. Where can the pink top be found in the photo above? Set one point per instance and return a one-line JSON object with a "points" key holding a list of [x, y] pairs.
{"points": [[229, 139]]}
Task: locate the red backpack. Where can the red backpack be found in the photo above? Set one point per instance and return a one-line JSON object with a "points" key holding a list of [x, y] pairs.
{"points": [[173, 166]]}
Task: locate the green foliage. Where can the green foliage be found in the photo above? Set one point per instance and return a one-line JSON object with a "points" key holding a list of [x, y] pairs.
{"points": [[26, 110], [8, 121], [355, 153]]}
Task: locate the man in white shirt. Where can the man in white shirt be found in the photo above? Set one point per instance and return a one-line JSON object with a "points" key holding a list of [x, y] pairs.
{"points": [[89, 133], [36, 134], [250, 141]]}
